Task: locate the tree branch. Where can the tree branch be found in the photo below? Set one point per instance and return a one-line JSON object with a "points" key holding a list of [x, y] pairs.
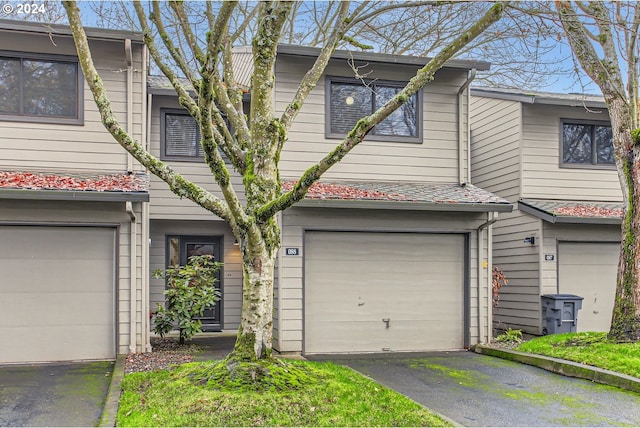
{"points": [[178, 184], [364, 125]]}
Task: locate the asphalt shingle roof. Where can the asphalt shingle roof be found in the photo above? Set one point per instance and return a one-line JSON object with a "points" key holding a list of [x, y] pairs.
{"points": [[429, 193], [573, 211]]}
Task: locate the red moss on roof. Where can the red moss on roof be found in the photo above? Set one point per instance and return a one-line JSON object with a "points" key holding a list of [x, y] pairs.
{"points": [[100, 183], [340, 191], [587, 211]]}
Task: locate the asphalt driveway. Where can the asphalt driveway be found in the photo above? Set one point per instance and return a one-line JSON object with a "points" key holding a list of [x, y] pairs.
{"points": [[478, 390], [70, 394]]}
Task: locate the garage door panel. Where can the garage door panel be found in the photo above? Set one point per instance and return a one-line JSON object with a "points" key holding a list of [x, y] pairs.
{"points": [[354, 280], [58, 293], [589, 270]]}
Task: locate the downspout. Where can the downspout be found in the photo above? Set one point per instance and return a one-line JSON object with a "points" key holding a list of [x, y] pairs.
{"points": [[492, 217], [129, 58], [146, 132], [462, 177], [132, 276]]}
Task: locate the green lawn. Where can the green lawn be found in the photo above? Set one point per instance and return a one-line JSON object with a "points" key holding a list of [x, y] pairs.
{"points": [[329, 395], [589, 348]]}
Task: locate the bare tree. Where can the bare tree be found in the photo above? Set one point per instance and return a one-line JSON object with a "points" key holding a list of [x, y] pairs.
{"points": [[253, 144], [604, 40]]}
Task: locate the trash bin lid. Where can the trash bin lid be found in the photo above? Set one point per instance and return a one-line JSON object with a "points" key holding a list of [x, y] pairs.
{"points": [[562, 297]]}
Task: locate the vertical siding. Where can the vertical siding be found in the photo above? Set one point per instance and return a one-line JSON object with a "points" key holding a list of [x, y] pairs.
{"points": [[434, 160], [164, 203], [78, 148], [495, 146], [288, 333], [542, 175], [232, 270]]}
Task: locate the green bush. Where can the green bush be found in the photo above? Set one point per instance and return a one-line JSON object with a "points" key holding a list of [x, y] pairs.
{"points": [[190, 290], [510, 336]]}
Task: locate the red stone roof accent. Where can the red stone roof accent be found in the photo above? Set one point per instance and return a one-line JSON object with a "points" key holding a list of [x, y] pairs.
{"points": [[588, 211], [96, 183]]}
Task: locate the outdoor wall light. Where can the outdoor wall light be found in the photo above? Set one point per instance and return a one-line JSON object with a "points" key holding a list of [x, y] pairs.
{"points": [[530, 240], [349, 100]]}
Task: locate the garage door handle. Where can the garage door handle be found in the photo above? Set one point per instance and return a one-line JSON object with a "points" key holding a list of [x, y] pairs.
{"points": [[386, 321]]}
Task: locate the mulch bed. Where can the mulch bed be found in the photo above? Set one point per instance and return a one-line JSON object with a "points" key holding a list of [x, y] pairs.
{"points": [[166, 353]]}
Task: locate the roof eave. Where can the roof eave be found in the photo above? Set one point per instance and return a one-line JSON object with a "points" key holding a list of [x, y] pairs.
{"points": [[537, 99], [74, 195], [552, 218], [64, 30], [405, 205], [379, 57]]}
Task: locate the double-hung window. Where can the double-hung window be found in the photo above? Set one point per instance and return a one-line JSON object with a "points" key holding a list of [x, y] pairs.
{"points": [[40, 89], [348, 101], [587, 143]]}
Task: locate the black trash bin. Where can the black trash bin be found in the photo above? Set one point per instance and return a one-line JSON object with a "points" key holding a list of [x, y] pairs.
{"points": [[560, 313]]}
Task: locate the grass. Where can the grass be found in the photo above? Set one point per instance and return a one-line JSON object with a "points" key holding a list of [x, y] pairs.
{"points": [[588, 348], [303, 394]]}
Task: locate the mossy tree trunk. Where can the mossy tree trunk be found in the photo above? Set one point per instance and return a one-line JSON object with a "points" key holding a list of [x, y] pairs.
{"points": [[612, 30], [253, 144]]}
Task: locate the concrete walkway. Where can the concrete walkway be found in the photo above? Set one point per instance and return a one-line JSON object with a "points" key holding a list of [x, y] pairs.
{"points": [[58, 395], [478, 390]]}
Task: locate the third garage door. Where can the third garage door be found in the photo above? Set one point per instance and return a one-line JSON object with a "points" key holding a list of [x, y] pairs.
{"points": [[373, 292], [589, 270]]}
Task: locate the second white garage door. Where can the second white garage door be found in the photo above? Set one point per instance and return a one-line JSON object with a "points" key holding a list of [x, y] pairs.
{"points": [[589, 270], [56, 293], [373, 292]]}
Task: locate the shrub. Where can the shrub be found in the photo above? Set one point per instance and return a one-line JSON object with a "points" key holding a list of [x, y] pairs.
{"points": [[190, 290]]}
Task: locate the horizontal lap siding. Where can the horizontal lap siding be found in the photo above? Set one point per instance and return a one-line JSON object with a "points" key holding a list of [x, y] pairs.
{"points": [[75, 148], [288, 333], [542, 175], [232, 270], [434, 160], [164, 203]]}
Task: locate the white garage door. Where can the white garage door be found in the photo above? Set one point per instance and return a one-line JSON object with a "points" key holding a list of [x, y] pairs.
{"points": [[56, 293], [589, 270], [372, 292]]}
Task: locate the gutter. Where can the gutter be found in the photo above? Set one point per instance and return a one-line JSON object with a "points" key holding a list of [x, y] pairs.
{"points": [[406, 205], [462, 177], [553, 218], [132, 276], [492, 217]]}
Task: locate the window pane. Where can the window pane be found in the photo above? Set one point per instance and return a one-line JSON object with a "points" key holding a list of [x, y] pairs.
{"points": [[9, 85], [199, 250], [576, 143], [181, 136], [401, 122], [604, 144], [174, 252], [349, 103], [50, 88]]}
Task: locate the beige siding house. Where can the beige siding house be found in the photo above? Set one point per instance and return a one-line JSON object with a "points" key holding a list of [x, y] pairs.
{"points": [[389, 252], [550, 154], [72, 205]]}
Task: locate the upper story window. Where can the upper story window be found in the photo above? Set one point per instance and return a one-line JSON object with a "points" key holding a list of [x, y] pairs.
{"points": [[586, 143], [347, 102], [40, 89], [180, 137]]}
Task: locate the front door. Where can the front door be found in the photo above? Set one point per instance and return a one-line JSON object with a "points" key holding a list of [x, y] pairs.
{"points": [[183, 247]]}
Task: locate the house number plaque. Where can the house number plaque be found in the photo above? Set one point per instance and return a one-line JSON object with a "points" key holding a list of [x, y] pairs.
{"points": [[549, 257], [292, 251]]}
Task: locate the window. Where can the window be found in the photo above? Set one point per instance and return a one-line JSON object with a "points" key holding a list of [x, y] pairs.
{"points": [[40, 89], [181, 136], [587, 143], [348, 102]]}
